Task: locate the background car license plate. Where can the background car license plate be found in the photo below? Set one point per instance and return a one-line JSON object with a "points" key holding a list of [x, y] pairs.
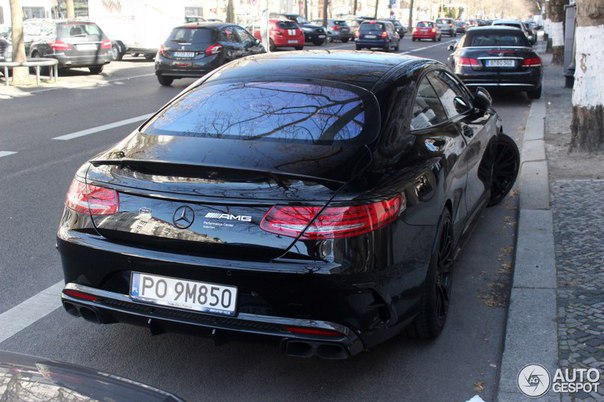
{"points": [[500, 63], [292, 41], [184, 54], [191, 295], [370, 36]]}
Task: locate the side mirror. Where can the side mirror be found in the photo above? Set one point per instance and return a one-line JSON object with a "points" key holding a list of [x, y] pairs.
{"points": [[256, 42], [451, 48], [482, 99]]}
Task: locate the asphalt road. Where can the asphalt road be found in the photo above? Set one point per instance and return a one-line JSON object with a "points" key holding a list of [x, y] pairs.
{"points": [[462, 362]]}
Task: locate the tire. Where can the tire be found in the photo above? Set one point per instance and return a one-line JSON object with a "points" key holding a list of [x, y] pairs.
{"points": [[299, 47], [165, 81], [398, 45], [271, 45], [149, 57], [96, 69], [135, 55], [43, 70], [358, 47], [116, 54], [436, 289], [440, 37], [345, 40], [318, 42], [413, 39], [534, 94], [387, 48], [506, 163]]}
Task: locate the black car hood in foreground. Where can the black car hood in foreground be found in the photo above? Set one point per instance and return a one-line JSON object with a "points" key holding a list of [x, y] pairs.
{"points": [[28, 378]]}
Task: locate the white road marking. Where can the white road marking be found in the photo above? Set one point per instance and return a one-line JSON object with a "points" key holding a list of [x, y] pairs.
{"points": [[6, 153], [419, 49], [31, 310], [104, 127]]}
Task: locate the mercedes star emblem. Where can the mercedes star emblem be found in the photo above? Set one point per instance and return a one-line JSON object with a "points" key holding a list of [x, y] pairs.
{"points": [[183, 217]]}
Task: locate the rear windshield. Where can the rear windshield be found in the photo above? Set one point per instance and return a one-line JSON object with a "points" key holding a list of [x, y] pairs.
{"points": [[287, 25], [78, 30], [340, 23], [307, 112], [192, 35], [497, 39], [424, 24], [378, 26]]}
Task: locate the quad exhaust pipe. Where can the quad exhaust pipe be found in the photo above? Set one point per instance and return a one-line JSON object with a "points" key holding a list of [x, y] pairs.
{"points": [[330, 351], [87, 313]]}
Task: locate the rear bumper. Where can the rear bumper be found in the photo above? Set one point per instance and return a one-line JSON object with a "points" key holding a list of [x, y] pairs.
{"points": [[372, 42], [112, 307], [285, 42], [529, 79], [424, 36], [82, 61], [186, 68]]}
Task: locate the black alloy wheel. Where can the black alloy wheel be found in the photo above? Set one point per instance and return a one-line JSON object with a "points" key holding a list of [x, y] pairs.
{"points": [[506, 163], [436, 290], [271, 45], [534, 94]]}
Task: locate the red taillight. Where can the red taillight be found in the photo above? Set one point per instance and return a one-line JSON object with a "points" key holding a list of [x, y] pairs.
{"points": [[336, 27], [58, 45], [162, 50], [332, 222], [384, 35], [106, 44], [89, 199], [312, 331], [532, 62], [80, 295], [213, 49], [415, 30], [433, 29], [468, 62]]}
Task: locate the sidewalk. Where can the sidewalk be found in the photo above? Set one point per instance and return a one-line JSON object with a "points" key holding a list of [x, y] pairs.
{"points": [[556, 313]]}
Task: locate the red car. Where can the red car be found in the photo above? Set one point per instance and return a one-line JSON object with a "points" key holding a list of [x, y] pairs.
{"points": [[426, 30], [282, 33]]}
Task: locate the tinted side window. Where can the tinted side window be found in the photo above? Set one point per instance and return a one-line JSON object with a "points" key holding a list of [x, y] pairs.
{"points": [[245, 37], [448, 90], [427, 109], [228, 35]]}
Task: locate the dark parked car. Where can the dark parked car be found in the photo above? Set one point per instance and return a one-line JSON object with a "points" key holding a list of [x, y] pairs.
{"points": [[30, 378], [380, 33], [318, 207], [497, 57], [400, 28], [336, 30], [193, 50], [72, 43], [312, 33]]}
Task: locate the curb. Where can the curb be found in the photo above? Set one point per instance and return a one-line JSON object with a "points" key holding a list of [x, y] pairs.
{"points": [[532, 329]]}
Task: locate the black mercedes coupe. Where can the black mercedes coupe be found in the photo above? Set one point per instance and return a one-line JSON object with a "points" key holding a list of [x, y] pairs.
{"points": [[497, 57], [317, 199]]}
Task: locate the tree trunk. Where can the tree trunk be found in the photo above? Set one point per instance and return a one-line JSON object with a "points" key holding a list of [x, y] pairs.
{"points": [[70, 9], [377, 4], [325, 6], [354, 7], [411, 15], [557, 30], [230, 12], [20, 74], [306, 9], [587, 128]]}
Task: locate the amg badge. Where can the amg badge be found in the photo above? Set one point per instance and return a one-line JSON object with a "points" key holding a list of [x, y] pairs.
{"points": [[229, 217]]}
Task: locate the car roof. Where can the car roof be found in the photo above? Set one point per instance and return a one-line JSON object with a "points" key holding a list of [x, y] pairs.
{"points": [[497, 28], [362, 69]]}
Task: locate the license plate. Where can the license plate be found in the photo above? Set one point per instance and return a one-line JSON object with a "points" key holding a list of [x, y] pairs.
{"points": [[321, 36], [184, 54], [86, 47], [191, 295], [370, 36], [500, 63], [292, 41]]}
